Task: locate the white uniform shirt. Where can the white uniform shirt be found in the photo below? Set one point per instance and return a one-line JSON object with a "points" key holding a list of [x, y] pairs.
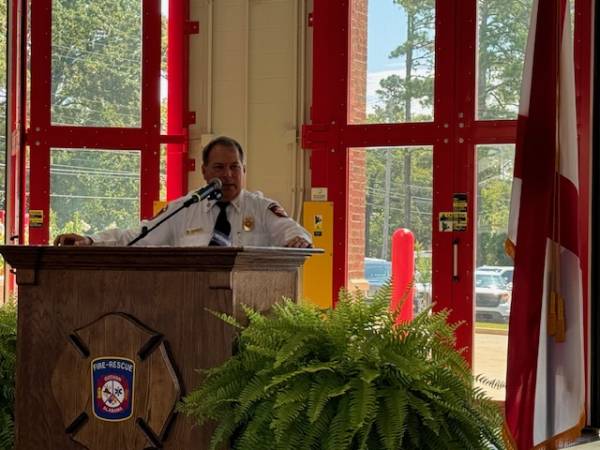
{"points": [[255, 221]]}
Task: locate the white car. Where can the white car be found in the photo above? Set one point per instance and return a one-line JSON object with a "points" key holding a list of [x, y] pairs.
{"points": [[492, 297], [506, 272]]}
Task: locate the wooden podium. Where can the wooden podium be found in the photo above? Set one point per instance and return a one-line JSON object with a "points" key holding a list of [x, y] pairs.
{"points": [[109, 338]]}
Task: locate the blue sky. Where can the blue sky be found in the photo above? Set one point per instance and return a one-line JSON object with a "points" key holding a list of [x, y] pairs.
{"points": [[386, 31]]}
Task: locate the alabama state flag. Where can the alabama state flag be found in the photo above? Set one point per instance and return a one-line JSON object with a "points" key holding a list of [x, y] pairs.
{"points": [[545, 390]]}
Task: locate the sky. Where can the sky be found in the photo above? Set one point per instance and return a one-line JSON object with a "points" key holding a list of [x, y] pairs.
{"points": [[386, 31]]}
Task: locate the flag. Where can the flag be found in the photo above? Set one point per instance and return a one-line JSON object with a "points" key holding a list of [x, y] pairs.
{"points": [[545, 385]]}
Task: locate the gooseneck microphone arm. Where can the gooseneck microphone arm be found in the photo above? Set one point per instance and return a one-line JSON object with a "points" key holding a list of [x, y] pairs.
{"points": [[212, 190]]}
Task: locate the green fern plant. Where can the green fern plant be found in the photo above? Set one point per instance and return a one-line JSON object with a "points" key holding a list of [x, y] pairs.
{"points": [[345, 379], [8, 349]]}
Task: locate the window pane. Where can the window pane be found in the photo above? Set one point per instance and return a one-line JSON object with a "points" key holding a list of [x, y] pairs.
{"points": [[493, 275], [502, 36], [96, 62], [391, 61], [391, 188], [92, 190]]}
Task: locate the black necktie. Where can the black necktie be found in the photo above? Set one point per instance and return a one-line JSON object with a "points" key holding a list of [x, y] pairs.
{"points": [[222, 227]]}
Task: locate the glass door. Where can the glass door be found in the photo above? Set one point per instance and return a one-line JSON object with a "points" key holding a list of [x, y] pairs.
{"points": [[439, 77]]}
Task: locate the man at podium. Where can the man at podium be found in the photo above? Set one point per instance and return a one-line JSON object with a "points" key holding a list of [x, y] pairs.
{"points": [[237, 218]]}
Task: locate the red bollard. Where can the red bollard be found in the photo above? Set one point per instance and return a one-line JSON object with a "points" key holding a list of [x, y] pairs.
{"points": [[403, 269]]}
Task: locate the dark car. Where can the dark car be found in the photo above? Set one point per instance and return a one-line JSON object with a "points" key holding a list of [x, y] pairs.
{"points": [[377, 273]]}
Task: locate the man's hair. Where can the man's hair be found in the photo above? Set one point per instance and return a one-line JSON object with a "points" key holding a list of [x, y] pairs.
{"points": [[225, 142]]}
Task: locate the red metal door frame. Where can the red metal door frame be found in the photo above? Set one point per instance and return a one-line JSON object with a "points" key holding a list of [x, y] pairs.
{"points": [[16, 121], [42, 135], [179, 116], [330, 135], [454, 135], [329, 160], [13, 224]]}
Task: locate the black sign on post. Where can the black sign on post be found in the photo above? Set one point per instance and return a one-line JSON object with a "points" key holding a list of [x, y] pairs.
{"points": [[459, 208]]}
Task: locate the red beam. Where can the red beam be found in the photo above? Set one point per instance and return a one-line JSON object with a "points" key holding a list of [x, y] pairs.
{"points": [[329, 168], [151, 59], [41, 68], [178, 93], [494, 132]]}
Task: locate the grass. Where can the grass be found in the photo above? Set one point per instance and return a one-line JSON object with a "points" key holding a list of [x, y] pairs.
{"points": [[491, 326]]}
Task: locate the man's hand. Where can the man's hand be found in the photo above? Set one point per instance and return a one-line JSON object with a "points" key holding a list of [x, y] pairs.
{"points": [[72, 239], [298, 242]]}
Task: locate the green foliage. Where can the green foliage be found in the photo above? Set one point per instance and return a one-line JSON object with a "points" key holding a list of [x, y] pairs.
{"points": [[8, 348], [407, 96], [96, 81], [93, 190], [96, 62], [503, 26], [401, 95], [345, 379], [409, 196], [494, 182]]}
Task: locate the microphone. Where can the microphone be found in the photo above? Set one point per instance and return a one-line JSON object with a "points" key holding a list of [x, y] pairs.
{"points": [[212, 190]]}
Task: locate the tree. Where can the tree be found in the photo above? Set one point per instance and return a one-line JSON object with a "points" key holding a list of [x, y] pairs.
{"points": [[96, 81], [102, 187], [399, 96], [421, 194], [96, 62], [405, 199], [503, 27], [494, 181]]}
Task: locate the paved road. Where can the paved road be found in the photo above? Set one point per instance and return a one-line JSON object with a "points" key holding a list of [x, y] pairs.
{"points": [[489, 360]]}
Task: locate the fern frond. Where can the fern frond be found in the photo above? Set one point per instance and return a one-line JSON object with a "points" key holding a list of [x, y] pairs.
{"points": [[391, 417], [340, 433], [325, 387], [256, 434], [221, 434], [346, 379], [313, 368], [363, 402], [230, 320], [8, 350], [284, 416]]}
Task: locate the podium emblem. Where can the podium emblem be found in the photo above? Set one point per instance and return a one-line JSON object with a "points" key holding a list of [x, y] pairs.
{"points": [[115, 385], [112, 388]]}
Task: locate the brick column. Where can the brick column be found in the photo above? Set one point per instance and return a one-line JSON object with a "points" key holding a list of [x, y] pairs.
{"points": [[357, 114]]}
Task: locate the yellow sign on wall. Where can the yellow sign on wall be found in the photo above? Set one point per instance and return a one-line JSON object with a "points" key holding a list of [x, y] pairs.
{"points": [[158, 206], [318, 269], [36, 218]]}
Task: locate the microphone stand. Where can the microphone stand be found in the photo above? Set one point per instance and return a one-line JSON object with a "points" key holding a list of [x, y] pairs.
{"points": [[195, 198]]}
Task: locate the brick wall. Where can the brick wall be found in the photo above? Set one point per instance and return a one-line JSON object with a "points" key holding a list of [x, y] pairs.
{"points": [[356, 114]]}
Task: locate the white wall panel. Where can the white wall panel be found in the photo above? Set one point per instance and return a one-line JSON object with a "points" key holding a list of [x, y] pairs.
{"points": [[245, 83]]}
